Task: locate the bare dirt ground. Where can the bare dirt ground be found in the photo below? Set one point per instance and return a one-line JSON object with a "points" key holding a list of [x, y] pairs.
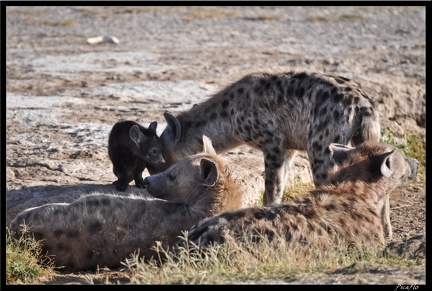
{"points": [[64, 95]]}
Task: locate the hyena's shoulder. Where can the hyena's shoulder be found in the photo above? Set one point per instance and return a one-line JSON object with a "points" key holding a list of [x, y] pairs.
{"points": [[348, 86]]}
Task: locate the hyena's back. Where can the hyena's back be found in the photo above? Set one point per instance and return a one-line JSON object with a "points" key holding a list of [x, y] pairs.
{"points": [[295, 107], [91, 231], [347, 211]]}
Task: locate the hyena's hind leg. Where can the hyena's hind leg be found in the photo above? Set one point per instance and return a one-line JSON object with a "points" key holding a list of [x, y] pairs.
{"points": [[320, 159], [320, 162], [286, 168], [123, 179]]}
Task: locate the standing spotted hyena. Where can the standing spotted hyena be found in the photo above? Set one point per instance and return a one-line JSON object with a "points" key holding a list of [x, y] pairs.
{"points": [[278, 114], [105, 229], [131, 149], [347, 211]]}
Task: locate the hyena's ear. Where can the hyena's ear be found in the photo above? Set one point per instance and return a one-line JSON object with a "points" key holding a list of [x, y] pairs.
{"points": [[173, 128], [386, 164], [339, 152], [208, 146], [208, 172], [136, 135], [153, 126]]}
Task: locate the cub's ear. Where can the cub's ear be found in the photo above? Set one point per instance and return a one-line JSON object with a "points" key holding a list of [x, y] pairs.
{"points": [[208, 172], [339, 152], [173, 129], [153, 126], [208, 146], [136, 135]]}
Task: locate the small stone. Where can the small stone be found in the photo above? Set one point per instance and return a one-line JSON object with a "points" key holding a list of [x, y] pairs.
{"points": [[102, 39]]}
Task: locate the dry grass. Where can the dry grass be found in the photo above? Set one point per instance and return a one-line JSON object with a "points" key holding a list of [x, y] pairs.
{"points": [[296, 190], [265, 17], [413, 8], [46, 22], [190, 13], [334, 18], [27, 10], [237, 263], [105, 12], [194, 13], [229, 263]]}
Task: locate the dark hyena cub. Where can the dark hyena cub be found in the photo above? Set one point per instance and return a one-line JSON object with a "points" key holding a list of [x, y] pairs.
{"points": [[279, 114], [348, 211], [132, 148]]}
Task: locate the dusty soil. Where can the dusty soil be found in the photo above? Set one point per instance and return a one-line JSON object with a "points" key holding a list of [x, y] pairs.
{"points": [[64, 95]]}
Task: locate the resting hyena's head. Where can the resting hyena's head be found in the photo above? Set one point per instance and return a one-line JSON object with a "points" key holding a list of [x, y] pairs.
{"points": [[148, 146], [371, 162], [195, 179]]}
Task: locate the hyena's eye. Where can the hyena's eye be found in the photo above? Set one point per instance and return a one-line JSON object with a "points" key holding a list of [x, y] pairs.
{"points": [[171, 177]]}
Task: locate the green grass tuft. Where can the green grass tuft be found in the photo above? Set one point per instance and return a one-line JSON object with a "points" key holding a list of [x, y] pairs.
{"points": [[414, 147], [24, 262]]}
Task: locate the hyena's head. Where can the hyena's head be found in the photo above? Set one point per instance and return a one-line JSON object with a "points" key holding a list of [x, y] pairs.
{"points": [[170, 137], [176, 143], [200, 180], [148, 146], [371, 162]]}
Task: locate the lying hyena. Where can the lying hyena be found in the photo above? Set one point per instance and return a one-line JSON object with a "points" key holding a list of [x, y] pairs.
{"points": [[347, 211], [104, 229], [131, 149], [279, 114]]}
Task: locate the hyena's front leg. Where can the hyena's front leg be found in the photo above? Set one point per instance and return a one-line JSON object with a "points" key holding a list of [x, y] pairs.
{"points": [[140, 165], [388, 231], [247, 224], [287, 166], [211, 230]]}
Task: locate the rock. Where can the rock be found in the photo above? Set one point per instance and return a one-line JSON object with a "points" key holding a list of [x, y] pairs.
{"points": [[102, 39], [411, 248]]}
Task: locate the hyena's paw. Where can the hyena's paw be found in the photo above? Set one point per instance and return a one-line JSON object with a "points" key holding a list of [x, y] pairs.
{"points": [[120, 186], [139, 183], [208, 231]]}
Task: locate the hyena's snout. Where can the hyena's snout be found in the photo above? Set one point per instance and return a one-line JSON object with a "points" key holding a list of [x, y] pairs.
{"points": [[153, 182], [161, 161], [156, 185]]}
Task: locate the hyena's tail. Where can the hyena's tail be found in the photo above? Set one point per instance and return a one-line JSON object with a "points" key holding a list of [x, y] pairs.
{"points": [[370, 128]]}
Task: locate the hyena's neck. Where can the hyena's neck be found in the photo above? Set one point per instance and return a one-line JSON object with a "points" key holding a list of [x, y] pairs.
{"points": [[181, 214], [371, 193], [201, 121]]}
